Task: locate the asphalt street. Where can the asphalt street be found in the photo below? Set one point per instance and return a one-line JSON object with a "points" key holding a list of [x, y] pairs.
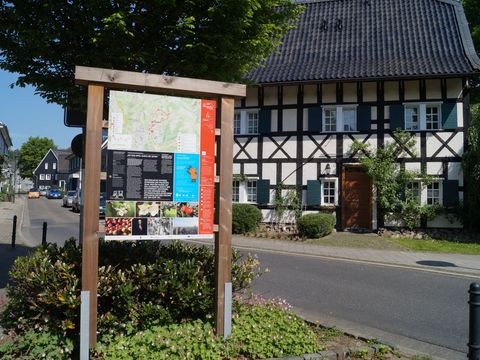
{"points": [[412, 308]]}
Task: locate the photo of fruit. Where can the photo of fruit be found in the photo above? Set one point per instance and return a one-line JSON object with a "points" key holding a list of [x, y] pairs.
{"points": [[120, 209], [168, 209], [118, 226], [148, 209], [187, 209]]}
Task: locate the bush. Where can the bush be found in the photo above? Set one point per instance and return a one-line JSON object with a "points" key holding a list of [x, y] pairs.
{"points": [[257, 332], [245, 218], [315, 225], [34, 345], [140, 284]]}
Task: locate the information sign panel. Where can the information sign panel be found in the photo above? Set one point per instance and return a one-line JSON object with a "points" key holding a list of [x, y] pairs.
{"points": [[160, 168]]}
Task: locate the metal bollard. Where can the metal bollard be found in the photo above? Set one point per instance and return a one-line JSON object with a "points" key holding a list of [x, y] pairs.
{"points": [[44, 233], [474, 323], [14, 230]]}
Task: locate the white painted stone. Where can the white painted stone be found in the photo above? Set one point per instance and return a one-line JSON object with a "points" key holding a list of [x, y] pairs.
{"points": [[434, 168], [412, 90], [250, 169], [268, 215], [270, 95], [290, 120], [252, 96], [289, 176], [329, 93], [391, 91], [290, 95], [369, 91], [269, 172], [433, 89], [310, 94], [454, 88], [350, 92], [442, 222]]}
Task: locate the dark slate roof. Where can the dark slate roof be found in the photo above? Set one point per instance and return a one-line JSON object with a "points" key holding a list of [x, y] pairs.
{"points": [[361, 39], [62, 164]]}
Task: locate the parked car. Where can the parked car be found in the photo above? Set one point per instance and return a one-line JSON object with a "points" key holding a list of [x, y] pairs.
{"points": [[54, 194], [33, 194], [76, 201], [68, 198], [101, 205], [43, 192]]}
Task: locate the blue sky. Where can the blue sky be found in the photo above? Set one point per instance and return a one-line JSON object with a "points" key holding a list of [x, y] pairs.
{"points": [[27, 114]]}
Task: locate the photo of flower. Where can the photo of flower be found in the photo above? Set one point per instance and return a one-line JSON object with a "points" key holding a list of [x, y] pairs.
{"points": [[148, 209], [120, 209]]}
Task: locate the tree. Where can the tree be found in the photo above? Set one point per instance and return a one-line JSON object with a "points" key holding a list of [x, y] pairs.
{"points": [[472, 12], [217, 40], [31, 153]]}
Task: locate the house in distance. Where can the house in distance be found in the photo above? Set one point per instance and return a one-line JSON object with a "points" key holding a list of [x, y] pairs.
{"points": [[52, 170], [357, 70]]}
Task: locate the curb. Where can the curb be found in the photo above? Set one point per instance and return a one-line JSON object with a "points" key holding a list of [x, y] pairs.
{"points": [[341, 353]]}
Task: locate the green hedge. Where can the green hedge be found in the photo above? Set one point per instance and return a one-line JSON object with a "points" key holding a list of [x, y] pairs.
{"points": [[140, 284], [245, 218], [315, 225]]}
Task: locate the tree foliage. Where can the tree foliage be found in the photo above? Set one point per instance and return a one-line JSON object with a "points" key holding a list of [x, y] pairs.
{"points": [[31, 153], [217, 40], [391, 181], [471, 168]]}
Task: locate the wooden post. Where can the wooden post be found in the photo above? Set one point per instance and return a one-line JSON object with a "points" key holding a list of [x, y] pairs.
{"points": [[91, 195], [223, 238]]}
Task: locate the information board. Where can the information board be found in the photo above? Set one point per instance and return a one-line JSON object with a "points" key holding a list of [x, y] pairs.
{"points": [[160, 167]]}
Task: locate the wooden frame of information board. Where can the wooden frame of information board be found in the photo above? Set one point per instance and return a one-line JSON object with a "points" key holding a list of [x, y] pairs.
{"points": [[97, 79]]}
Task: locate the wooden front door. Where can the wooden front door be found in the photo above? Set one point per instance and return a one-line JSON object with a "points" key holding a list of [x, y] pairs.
{"points": [[356, 198]]}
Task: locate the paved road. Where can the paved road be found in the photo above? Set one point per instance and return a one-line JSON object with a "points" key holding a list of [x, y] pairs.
{"points": [[397, 304], [62, 222]]}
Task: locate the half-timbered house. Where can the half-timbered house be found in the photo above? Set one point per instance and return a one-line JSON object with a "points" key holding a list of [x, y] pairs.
{"points": [[357, 70]]}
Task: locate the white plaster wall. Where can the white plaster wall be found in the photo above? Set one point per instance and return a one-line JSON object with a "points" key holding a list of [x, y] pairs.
{"points": [[443, 222], [290, 147], [287, 169], [290, 120], [386, 112], [391, 91], [251, 148], [236, 168], [310, 94], [415, 166], [329, 93], [305, 119], [412, 90], [374, 113], [434, 168], [250, 169], [274, 125], [350, 92], [456, 144], [347, 143], [309, 173], [433, 89], [270, 95], [333, 168], [455, 172], [459, 114], [330, 146], [290, 95], [369, 91], [268, 215], [252, 96], [454, 88], [269, 172]]}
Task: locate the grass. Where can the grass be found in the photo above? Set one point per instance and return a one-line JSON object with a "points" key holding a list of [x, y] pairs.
{"points": [[372, 241]]}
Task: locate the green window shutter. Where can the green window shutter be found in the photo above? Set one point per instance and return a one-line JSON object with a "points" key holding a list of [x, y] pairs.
{"points": [[265, 122], [449, 115], [364, 118], [313, 192], [315, 119], [263, 191], [450, 193], [397, 117]]}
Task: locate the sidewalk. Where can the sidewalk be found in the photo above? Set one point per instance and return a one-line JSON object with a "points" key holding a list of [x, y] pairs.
{"points": [[455, 264], [7, 211]]}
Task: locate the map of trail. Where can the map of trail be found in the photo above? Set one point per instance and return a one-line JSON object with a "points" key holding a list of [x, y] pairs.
{"points": [[156, 123]]}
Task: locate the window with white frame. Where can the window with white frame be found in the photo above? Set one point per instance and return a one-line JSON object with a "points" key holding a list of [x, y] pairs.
{"points": [[46, 166], [414, 190], [339, 119], [245, 122], [54, 166], [434, 193], [48, 177], [328, 192], [252, 191], [422, 117], [236, 191], [42, 176]]}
